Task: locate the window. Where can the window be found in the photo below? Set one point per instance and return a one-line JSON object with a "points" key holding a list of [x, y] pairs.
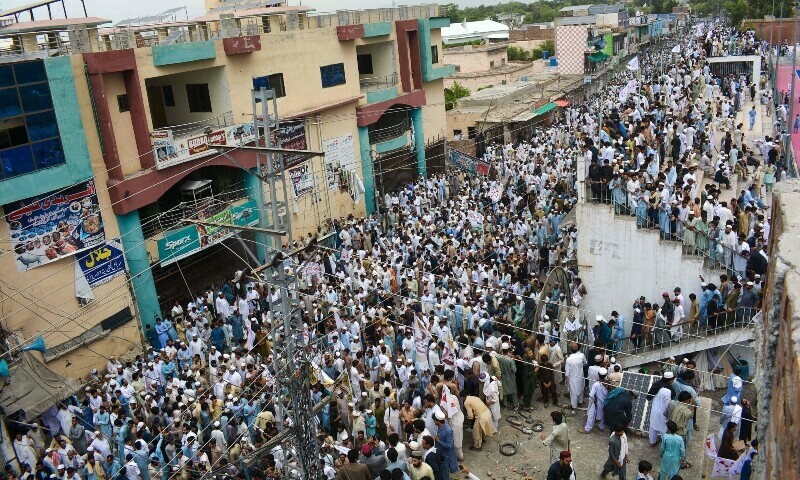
{"points": [[491, 64], [458, 68], [365, 64], [29, 136], [276, 83], [332, 75], [199, 98], [434, 54], [122, 103], [457, 134], [265, 23], [502, 61], [168, 95]]}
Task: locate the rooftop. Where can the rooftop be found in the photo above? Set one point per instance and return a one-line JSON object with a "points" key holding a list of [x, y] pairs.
{"points": [[56, 24], [477, 48], [501, 70], [254, 12], [471, 28]]}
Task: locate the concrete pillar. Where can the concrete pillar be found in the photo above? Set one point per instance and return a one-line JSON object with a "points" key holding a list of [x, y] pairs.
{"points": [[144, 286], [419, 141], [228, 25], [292, 20], [580, 184], [255, 191], [367, 169]]}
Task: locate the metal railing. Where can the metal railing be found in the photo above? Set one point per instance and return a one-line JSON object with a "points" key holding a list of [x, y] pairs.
{"points": [[202, 208], [389, 132], [695, 242], [370, 84], [196, 128]]}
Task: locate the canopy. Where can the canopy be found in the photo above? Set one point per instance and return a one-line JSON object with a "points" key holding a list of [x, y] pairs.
{"points": [[597, 57], [562, 103], [33, 388], [544, 109]]}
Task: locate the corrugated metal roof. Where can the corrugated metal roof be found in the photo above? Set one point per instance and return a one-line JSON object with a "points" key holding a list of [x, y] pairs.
{"points": [[582, 20], [601, 8], [472, 28]]}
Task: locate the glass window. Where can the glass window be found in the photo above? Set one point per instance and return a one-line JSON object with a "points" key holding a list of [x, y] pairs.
{"points": [[16, 161], [48, 153], [42, 125], [332, 75], [9, 103], [30, 72], [198, 96], [35, 97], [6, 76]]}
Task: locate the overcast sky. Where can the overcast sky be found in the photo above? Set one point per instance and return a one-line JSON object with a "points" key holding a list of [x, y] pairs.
{"points": [[117, 10]]}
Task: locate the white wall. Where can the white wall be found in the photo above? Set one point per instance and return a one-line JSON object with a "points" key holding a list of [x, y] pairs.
{"points": [[217, 91], [383, 58], [619, 262]]}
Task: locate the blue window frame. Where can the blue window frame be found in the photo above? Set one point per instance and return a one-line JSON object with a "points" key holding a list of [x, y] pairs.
{"points": [[29, 137], [332, 75]]}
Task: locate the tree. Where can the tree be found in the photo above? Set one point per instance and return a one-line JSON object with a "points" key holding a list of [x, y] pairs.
{"points": [[451, 95], [517, 54]]}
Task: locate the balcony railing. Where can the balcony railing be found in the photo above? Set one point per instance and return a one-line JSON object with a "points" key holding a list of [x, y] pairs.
{"points": [[371, 84], [202, 208], [382, 133], [85, 40]]}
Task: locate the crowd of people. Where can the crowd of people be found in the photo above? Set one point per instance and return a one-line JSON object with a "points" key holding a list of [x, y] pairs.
{"points": [[429, 320]]}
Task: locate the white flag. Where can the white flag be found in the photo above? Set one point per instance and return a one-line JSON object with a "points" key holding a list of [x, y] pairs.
{"points": [[449, 402], [676, 49], [634, 63]]}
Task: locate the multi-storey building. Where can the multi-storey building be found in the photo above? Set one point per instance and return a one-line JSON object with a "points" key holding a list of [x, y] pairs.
{"points": [[111, 136]]}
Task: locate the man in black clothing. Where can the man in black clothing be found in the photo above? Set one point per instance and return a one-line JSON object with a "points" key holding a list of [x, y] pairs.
{"points": [[618, 407], [563, 464], [606, 174], [595, 177]]}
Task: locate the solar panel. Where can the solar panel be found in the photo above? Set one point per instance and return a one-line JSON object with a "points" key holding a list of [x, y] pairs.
{"points": [[640, 384]]}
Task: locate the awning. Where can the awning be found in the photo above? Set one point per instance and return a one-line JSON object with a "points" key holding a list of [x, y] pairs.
{"points": [[562, 103], [597, 57], [544, 109], [33, 388]]}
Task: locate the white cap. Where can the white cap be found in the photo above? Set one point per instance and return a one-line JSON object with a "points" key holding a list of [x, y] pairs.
{"points": [[669, 375], [439, 415], [734, 399], [602, 371], [505, 346]]}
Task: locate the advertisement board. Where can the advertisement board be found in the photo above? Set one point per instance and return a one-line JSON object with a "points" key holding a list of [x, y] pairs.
{"points": [[170, 151], [59, 224], [100, 265], [182, 242]]}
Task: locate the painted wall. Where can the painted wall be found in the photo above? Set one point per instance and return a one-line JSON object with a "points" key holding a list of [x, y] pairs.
{"points": [[43, 299], [434, 115], [217, 90], [618, 263], [123, 128], [570, 45], [384, 57]]}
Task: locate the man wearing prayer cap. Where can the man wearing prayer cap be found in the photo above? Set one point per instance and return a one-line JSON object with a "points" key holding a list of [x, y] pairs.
{"points": [[562, 468], [597, 397]]}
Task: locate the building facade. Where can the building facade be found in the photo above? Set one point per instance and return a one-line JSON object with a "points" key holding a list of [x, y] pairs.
{"points": [[130, 130]]}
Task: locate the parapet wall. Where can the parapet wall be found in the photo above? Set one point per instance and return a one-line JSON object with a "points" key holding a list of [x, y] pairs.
{"points": [[778, 342]]}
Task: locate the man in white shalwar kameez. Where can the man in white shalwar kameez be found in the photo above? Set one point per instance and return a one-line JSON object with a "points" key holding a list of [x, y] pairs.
{"points": [[573, 369], [597, 396], [658, 413], [491, 390]]}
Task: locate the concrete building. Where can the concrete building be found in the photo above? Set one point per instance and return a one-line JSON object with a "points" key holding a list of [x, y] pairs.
{"points": [[112, 136], [481, 66]]}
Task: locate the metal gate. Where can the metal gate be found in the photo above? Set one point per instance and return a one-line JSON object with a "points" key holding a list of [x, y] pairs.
{"points": [[722, 69]]}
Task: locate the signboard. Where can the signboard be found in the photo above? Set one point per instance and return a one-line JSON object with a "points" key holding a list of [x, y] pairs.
{"points": [[103, 263], [183, 242], [292, 135], [302, 179], [171, 151], [55, 225], [467, 163], [339, 154]]}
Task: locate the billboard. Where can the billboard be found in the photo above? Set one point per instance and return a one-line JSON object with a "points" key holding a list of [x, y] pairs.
{"points": [[182, 242], [55, 225], [170, 151]]}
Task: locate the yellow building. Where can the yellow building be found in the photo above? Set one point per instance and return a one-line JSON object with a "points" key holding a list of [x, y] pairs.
{"points": [[149, 121]]}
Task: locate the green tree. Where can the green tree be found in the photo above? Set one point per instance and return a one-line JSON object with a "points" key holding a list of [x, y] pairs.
{"points": [[517, 54], [737, 10], [451, 95]]}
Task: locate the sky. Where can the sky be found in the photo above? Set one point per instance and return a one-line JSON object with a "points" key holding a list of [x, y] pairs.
{"points": [[117, 10]]}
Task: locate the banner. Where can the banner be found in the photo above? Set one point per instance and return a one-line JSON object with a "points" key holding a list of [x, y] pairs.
{"points": [[183, 242], [422, 339], [449, 402], [339, 155], [103, 263], [467, 163], [170, 152], [55, 225], [634, 63], [302, 179], [292, 135]]}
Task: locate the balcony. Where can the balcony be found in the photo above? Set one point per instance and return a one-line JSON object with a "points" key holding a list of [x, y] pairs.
{"points": [[379, 89]]}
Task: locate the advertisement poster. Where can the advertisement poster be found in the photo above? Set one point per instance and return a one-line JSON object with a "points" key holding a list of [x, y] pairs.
{"points": [[339, 155], [52, 226], [468, 163], [171, 151], [183, 242], [292, 135], [100, 265], [302, 179]]}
